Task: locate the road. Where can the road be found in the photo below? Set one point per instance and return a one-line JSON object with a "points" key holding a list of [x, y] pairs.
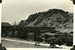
{"points": [[15, 44], [19, 43]]}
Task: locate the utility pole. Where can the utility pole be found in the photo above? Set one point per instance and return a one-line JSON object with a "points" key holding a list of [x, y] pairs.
{"points": [[14, 28]]}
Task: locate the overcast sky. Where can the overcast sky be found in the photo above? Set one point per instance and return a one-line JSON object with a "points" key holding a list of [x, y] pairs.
{"points": [[17, 10]]}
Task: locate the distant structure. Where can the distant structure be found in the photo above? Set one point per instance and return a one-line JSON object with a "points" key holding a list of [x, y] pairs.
{"points": [[14, 23], [5, 26], [38, 29]]}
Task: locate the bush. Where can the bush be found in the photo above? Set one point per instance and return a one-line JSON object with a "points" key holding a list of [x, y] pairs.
{"points": [[61, 39], [51, 40], [69, 41]]}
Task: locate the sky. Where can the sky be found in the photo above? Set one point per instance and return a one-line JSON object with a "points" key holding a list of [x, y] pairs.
{"points": [[17, 10]]}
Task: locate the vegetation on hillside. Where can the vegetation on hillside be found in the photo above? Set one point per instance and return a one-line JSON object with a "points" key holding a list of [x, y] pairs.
{"points": [[53, 17]]}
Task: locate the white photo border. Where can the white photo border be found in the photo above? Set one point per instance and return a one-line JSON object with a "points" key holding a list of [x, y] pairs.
{"points": [[38, 48]]}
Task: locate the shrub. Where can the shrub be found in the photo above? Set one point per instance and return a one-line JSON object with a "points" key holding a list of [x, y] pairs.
{"points": [[61, 39]]}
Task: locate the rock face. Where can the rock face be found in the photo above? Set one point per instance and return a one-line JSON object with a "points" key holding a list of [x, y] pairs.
{"points": [[52, 18]]}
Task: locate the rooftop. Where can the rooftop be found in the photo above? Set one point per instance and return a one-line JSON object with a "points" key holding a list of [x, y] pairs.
{"points": [[5, 24]]}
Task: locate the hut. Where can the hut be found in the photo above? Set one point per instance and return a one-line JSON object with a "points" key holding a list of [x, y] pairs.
{"points": [[5, 28]]}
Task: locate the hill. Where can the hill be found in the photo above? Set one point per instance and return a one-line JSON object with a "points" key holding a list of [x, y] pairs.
{"points": [[52, 18]]}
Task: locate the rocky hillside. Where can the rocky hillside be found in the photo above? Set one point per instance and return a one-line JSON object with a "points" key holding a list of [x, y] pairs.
{"points": [[52, 18]]}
